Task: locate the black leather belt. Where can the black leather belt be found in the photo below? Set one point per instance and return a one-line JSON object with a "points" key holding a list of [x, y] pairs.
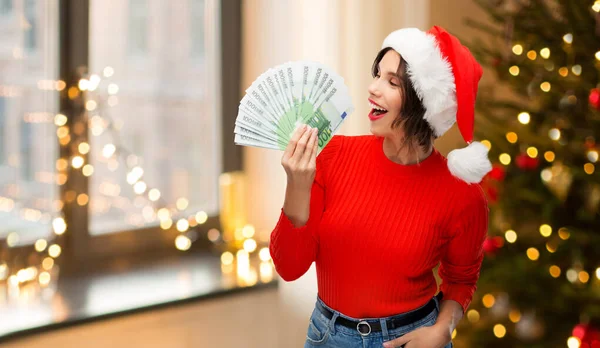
{"points": [[365, 327]]}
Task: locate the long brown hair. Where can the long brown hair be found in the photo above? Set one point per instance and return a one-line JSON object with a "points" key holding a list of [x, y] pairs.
{"points": [[417, 131]]}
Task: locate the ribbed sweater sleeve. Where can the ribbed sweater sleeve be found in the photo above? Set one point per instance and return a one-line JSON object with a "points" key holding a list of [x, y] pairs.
{"points": [[460, 266], [293, 249]]}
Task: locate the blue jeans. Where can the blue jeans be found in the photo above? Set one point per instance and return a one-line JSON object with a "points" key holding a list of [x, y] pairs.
{"points": [[324, 332]]}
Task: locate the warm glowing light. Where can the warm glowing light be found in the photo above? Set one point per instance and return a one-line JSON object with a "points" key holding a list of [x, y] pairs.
{"points": [[201, 217], [91, 105], [140, 187], [564, 71], [568, 38], [545, 53], [545, 230], [517, 49], [166, 224], [572, 275], [40, 245], [182, 225], [555, 271], [524, 117], [182, 242], [592, 156], [84, 148], [108, 71], [532, 55], [213, 234], [44, 278], [545, 86], [549, 156], [554, 134], [514, 315], [77, 162], [573, 342], [48, 263], [54, 250], [88, 170], [227, 258], [83, 199], [250, 245], [59, 225], [512, 137], [182, 203], [487, 144], [265, 255], [504, 159], [60, 120], [576, 69], [551, 246], [113, 89], [511, 236], [514, 70], [499, 330], [598, 273], [154, 195], [248, 231], [473, 316], [108, 150], [589, 168], [532, 152], [488, 300], [533, 254], [584, 276]]}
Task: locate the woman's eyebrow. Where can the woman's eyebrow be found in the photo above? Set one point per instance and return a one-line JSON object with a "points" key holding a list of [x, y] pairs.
{"points": [[392, 73]]}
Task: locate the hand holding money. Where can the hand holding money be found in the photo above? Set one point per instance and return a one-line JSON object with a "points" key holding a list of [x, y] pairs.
{"points": [[299, 162], [299, 158]]}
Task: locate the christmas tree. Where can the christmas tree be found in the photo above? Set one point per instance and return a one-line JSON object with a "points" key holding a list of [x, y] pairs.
{"points": [[540, 279]]}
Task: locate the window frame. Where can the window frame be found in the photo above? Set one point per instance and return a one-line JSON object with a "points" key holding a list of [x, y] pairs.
{"points": [[82, 252]]}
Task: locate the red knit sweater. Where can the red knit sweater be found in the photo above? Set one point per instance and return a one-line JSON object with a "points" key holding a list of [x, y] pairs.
{"points": [[377, 229]]}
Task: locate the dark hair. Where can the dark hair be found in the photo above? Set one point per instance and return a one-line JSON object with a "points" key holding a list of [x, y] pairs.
{"points": [[417, 131]]}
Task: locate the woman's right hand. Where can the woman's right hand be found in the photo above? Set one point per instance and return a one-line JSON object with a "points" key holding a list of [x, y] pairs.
{"points": [[300, 158]]}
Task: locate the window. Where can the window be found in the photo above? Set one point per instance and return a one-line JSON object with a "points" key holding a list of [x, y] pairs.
{"points": [[6, 7], [197, 25], [167, 134], [137, 26], [30, 24]]}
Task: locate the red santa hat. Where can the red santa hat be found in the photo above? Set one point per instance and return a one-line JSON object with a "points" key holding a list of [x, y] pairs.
{"points": [[445, 76]]}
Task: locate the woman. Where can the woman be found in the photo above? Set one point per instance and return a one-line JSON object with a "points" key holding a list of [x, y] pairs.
{"points": [[378, 213]]}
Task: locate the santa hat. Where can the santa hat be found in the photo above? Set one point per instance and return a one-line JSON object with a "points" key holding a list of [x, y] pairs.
{"points": [[445, 76]]}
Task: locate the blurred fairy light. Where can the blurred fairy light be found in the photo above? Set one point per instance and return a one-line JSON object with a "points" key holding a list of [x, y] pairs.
{"points": [[473, 316], [154, 195], [532, 152], [512, 137], [166, 224], [563, 233], [568, 38], [517, 49], [597, 56], [44, 278], [555, 271], [596, 6], [54, 250], [91, 105], [88, 170], [182, 242], [83, 148], [545, 230], [113, 89], [250, 245], [584, 277], [201, 217], [514, 70], [12, 239], [598, 273], [554, 134], [60, 120], [546, 174], [504, 159], [499, 330], [514, 315], [213, 235], [511, 236], [533, 254], [59, 225], [182, 203], [592, 156], [589, 168], [3, 271], [545, 86], [524, 117], [549, 156], [572, 275], [83, 84], [140, 187], [248, 231], [488, 300], [487, 144], [48, 263], [82, 199], [551, 246], [576, 69], [532, 55], [545, 53], [40, 245], [265, 255], [573, 342], [94, 81], [227, 258], [108, 71], [182, 225], [564, 71], [77, 162]]}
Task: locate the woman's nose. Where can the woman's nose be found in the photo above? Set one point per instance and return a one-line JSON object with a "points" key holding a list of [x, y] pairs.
{"points": [[373, 88]]}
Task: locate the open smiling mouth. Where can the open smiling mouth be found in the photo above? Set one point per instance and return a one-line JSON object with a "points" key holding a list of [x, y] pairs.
{"points": [[377, 111]]}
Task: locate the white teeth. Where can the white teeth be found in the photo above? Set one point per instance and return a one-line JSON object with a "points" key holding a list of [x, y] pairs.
{"points": [[373, 106]]}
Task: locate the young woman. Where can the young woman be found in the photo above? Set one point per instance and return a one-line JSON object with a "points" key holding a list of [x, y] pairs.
{"points": [[378, 213]]}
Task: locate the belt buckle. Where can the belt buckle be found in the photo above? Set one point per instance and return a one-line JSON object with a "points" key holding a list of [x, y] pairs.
{"points": [[363, 322]]}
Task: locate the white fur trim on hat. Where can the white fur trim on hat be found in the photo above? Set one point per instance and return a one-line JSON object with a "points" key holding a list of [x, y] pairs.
{"points": [[430, 73], [470, 163]]}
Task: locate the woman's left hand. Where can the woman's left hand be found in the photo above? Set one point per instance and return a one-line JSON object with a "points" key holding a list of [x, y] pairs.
{"points": [[423, 337]]}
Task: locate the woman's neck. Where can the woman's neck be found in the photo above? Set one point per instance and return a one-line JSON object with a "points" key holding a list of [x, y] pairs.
{"points": [[395, 151]]}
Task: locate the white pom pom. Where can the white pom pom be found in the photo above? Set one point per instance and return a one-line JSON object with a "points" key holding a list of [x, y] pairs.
{"points": [[471, 163]]}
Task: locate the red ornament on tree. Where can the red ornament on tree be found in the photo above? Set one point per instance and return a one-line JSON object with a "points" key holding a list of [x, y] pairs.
{"points": [[594, 98], [588, 335], [524, 162], [491, 245], [497, 173]]}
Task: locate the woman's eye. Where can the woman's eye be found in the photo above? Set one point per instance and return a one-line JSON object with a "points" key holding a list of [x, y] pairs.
{"points": [[394, 84]]}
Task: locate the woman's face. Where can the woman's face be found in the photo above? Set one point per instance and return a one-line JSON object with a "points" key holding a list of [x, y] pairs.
{"points": [[385, 93]]}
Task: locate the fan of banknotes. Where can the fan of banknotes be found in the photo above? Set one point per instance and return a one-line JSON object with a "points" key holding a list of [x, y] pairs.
{"points": [[286, 96]]}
